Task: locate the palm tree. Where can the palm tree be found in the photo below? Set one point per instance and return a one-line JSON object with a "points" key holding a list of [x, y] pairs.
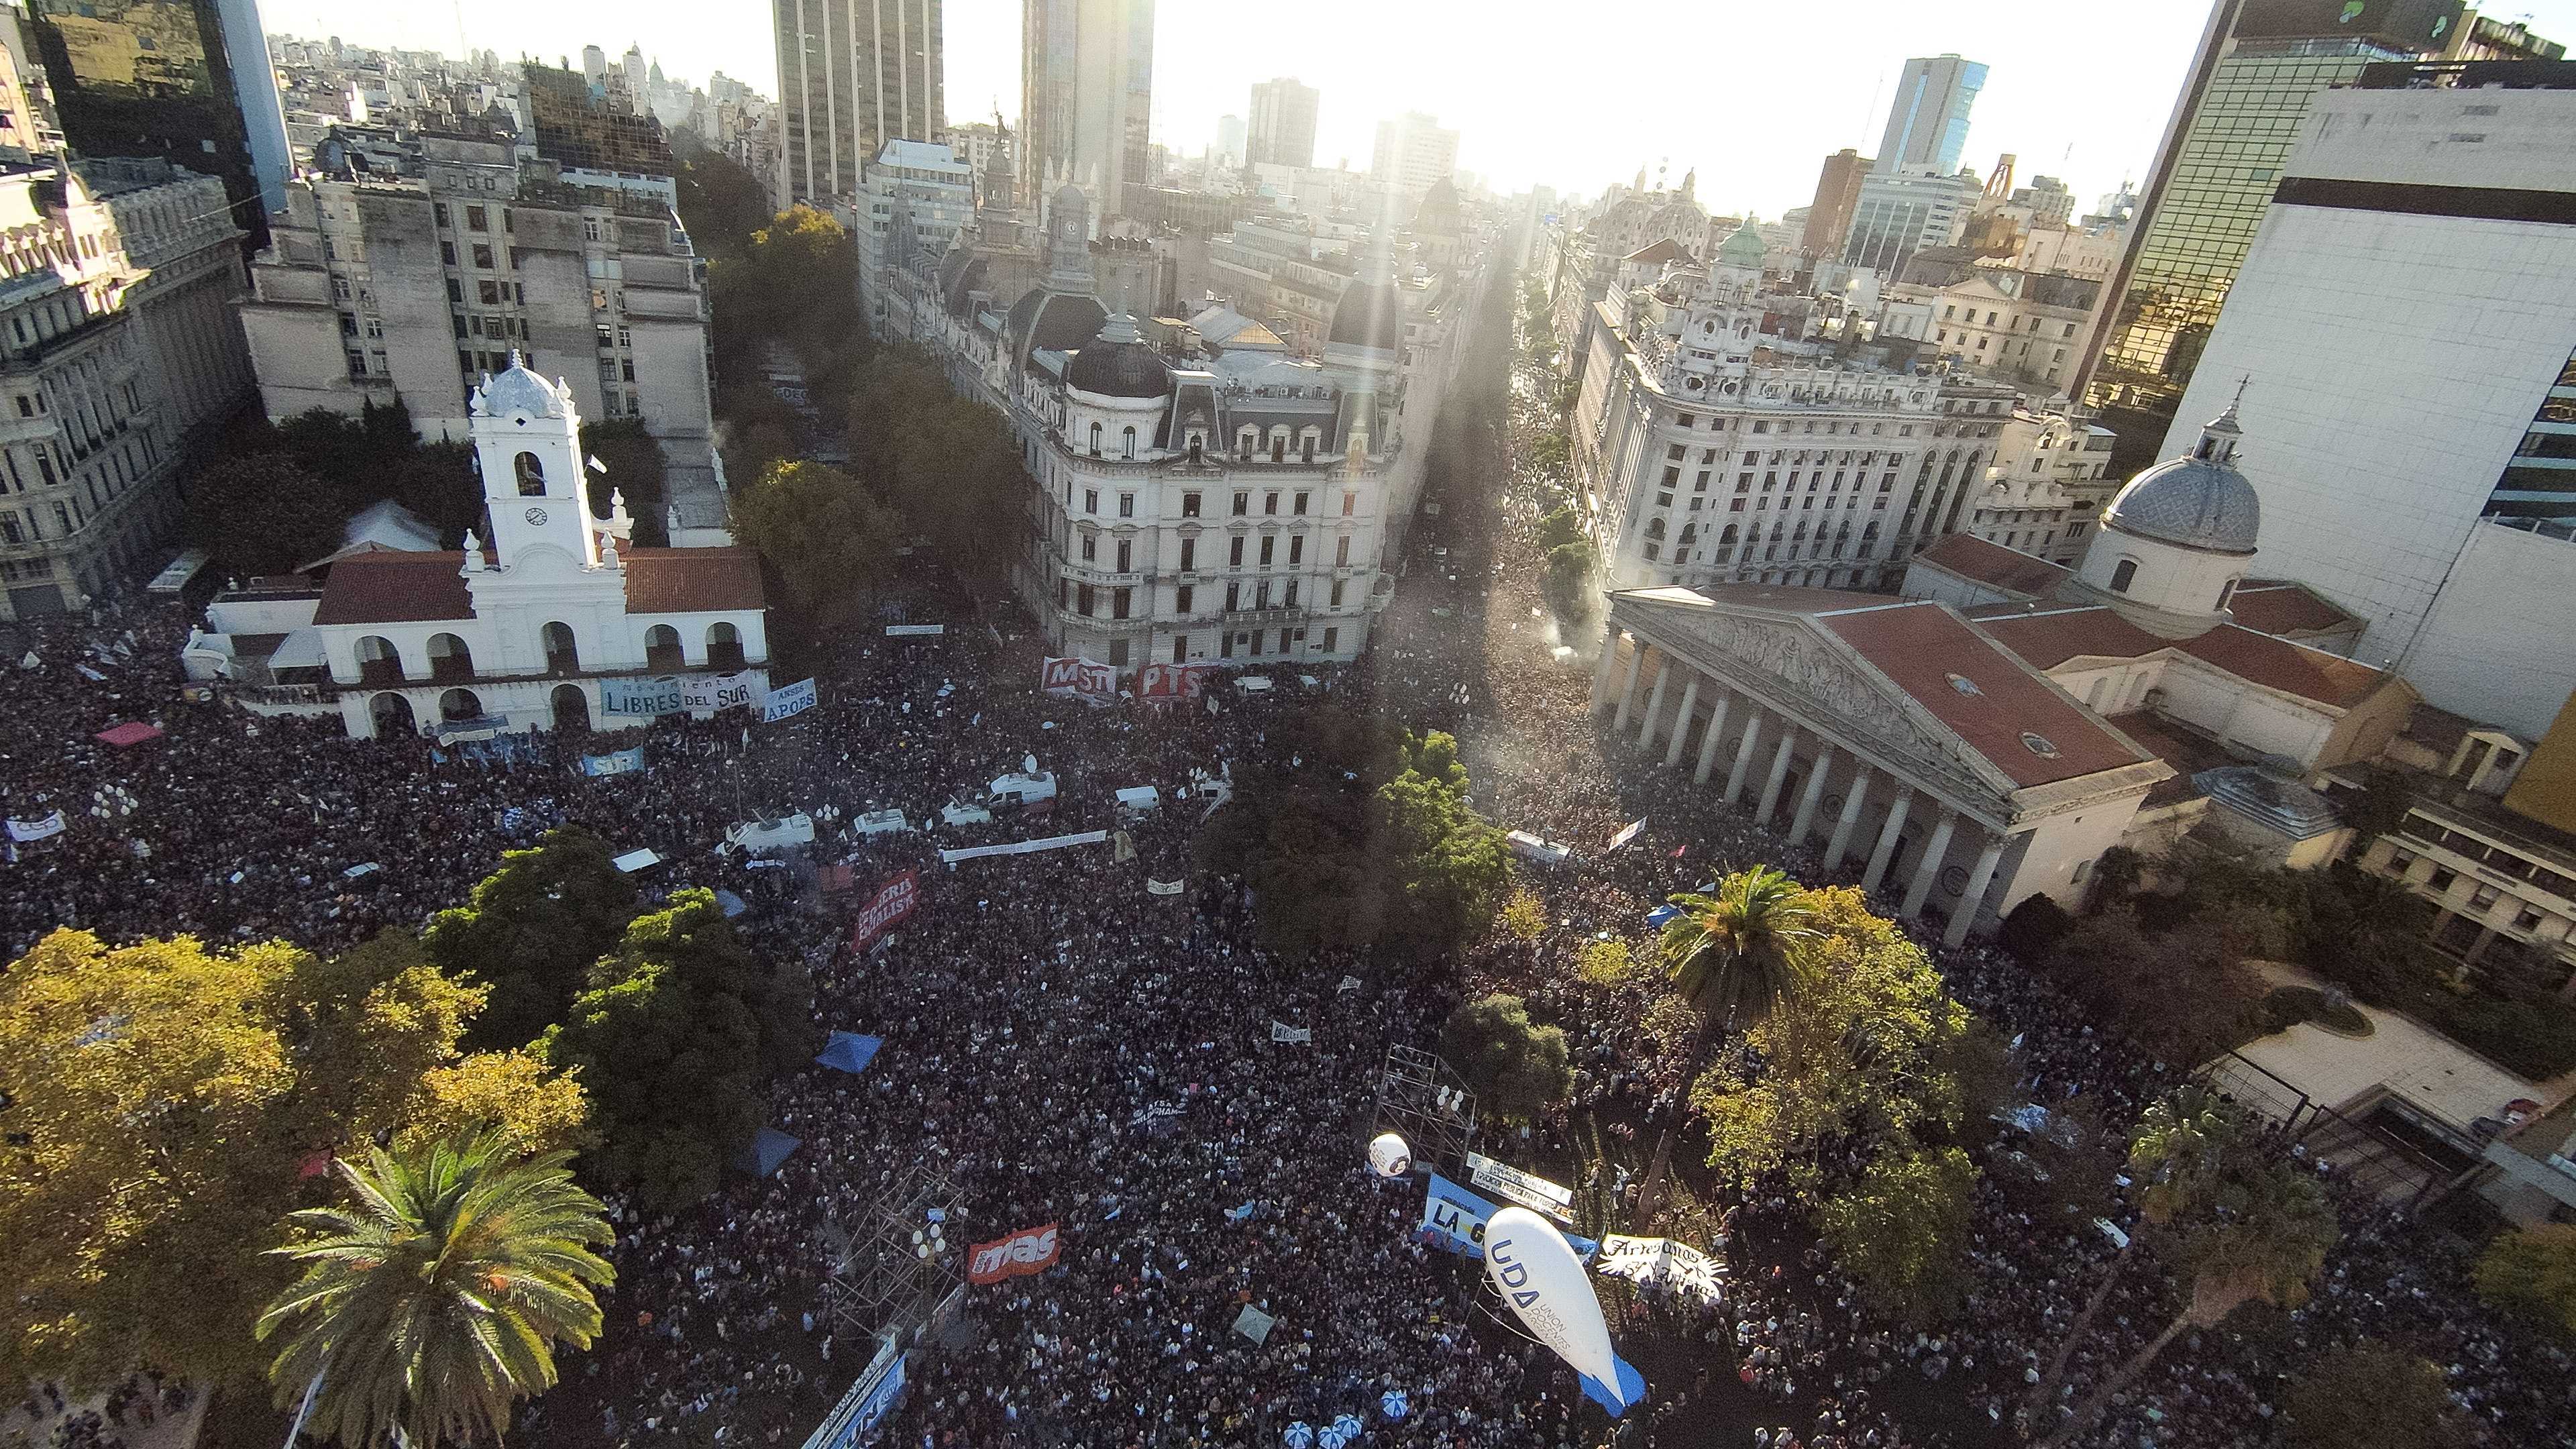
{"points": [[1728, 956], [2175, 1154], [2268, 1233], [434, 1301]]}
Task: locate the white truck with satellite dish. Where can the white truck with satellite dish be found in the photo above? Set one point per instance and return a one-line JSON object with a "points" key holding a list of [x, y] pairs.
{"points": [[1028, 789]]}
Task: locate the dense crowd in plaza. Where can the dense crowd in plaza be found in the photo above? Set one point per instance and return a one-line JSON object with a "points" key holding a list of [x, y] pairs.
{"points": [[1034, 1008]]}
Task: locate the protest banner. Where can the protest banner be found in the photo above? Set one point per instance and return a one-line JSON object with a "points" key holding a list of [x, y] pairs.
{"points": [[1453, 1219], [1162, 887], [1032, 1250], [893, 901], [1171, 683], [1626, 833], [621, 762], [1023, 847], [1077, 678], [787, 701], [914, 631], [44, 827], [1292, 1035], [674, 693], [1527, 1189]]}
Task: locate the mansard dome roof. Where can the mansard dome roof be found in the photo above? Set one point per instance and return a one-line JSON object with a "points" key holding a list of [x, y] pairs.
{"points": [[2198, 501], [1117, 363], [515, 389], [1743, 248], [1047, 320], [1371, 314], [1438, 212]]}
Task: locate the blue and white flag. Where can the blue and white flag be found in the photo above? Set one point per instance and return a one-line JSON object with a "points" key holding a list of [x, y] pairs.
{"points": [[788, 700], [622, 762]]}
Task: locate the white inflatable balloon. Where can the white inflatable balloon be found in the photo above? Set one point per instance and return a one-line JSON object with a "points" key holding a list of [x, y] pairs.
{"points": [[1389, 1156], [1534, 1268]]}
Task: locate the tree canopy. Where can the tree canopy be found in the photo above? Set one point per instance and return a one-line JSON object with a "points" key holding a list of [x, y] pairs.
{"points": [[2531, 1274], [631, 464], [832, 544], [1902, 1231], [679, 1028], [167, 1104], [947, 462], [264, 513], [531, 930], [433, 1299], [2371, 1396], [1516, 1067]]}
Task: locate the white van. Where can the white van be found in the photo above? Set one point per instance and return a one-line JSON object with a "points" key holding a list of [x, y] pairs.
{"points": [[1141, 798], [880, 822], [1024, 790]]}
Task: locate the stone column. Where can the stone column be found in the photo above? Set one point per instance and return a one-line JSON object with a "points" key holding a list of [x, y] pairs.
{"points": [[1928, 870], [1980, 876], [1655, 702], [1814, 792], [1681, 720], [1609, 661], [1780, 759], [1628, 691], [1744, 752], [1849, 820], [1708, 743], [1880, 854]]}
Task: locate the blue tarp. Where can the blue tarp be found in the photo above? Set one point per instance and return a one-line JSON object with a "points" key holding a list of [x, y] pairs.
{"points": [[1655, 918], [732, 905], [850, 1052], [766, 1151]]}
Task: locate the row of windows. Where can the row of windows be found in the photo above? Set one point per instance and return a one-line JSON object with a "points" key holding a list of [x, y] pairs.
{"points": [[1248, 643], [1191, 503], [1087, 544], [1086, 600]]}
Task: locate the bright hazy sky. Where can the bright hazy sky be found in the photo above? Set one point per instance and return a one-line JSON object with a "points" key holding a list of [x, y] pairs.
{"points": [[1570, 93]]}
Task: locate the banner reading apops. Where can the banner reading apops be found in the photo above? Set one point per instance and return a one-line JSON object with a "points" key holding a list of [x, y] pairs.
{"points": [[787, 701], [1030, 1251], [893, 901]]}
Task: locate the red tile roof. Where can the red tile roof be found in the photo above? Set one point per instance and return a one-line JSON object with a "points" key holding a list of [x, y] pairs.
{"points": [[2050, 637], [395, 588], [1921, 646], [2287, 667], [1996, 566], [1779, 598], [2286, 609], [692, 580]]}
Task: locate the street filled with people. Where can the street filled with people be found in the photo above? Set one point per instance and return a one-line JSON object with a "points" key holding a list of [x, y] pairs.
{"points": [[1064, 1046]]}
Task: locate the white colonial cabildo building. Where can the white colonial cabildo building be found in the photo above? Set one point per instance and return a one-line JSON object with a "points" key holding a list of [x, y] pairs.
{"points": [[1986, 738], [536, 625]]}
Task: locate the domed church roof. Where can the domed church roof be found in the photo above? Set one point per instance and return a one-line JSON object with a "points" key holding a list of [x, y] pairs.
{"points": [[1046, 319], [2199, 501], [1371, 314], [1117, 363], [1742, 248]]}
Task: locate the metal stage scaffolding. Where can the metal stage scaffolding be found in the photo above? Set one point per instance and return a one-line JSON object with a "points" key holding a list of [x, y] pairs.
{"points": [[1422, 1099], [901, 1259]]}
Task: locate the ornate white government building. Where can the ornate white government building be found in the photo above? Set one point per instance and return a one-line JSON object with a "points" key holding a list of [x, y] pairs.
{"points": [[1987, 736], [1203, 492], [530, 626], [1724, 433]]}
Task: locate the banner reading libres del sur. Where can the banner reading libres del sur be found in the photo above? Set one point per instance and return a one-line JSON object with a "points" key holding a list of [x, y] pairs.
{"points": [[672, 693]]}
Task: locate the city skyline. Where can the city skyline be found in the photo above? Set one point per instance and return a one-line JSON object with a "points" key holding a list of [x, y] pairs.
{"points": [[2050, 97]]}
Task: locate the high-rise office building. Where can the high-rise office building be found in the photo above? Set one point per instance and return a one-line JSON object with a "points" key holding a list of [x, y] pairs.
{"points": [[1829, 216], [853, 75], [1283, 123], [1927, 129], [1896, 214], [2260, 65], [1230, 139], [1086, 99], [1413, 151], [2402, 327], [185, 80]]}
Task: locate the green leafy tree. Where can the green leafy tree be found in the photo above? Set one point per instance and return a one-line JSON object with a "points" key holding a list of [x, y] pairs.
{"points": [[1568, 580], [1302, 846], [1728, 956], [162, 1105], [436, 482], [674, 1038], [1524, 916], [1516, 1067], [2184, 995], [833, 545], [1606, 963], [264, 514], [1559, 528], [433, 1301], [2531, 1274], [1447, 866], [631, 465], [949, 463], [2379, 807], [720, 202], [1861, 1050], [2371, 1396], [531, 929], [1902, 1231], [2263, 1240]]}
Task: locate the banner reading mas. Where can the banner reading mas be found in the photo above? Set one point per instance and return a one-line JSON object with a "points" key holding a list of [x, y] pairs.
{"points": [[1032, 1250]]}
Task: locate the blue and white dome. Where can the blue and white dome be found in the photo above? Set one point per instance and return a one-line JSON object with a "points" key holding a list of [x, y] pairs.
{"points": [[2198, 501]]}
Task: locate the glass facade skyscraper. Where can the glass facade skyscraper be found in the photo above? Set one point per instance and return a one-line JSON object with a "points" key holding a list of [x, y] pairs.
{"points": [[1927, 128]]}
